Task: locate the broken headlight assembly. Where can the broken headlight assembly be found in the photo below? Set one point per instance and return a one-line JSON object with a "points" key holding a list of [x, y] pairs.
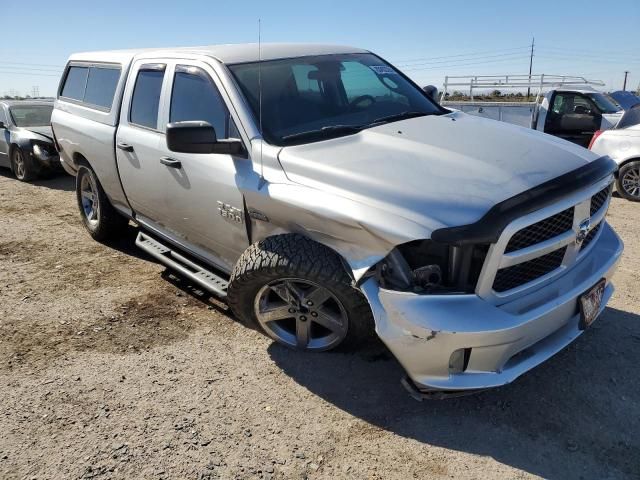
{"points": [[42, 151], [428, 267]]}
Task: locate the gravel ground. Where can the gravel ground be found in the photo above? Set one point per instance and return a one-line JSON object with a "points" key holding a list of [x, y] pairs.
{"points": [[110, 367]]}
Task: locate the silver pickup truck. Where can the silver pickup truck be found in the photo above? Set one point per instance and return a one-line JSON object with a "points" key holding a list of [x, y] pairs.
{"points": [[327, 197]]}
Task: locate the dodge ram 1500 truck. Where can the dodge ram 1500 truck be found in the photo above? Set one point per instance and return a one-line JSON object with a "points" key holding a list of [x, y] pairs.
{"points": [[327, 197]]}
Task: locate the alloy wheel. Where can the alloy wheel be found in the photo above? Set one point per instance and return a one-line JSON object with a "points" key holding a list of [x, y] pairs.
{"points": [[301, 314], [89, 197], [631, 182], [18, 165]]}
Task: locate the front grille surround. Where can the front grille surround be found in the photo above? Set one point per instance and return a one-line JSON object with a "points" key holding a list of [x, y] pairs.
{"points": [[534, 249]]}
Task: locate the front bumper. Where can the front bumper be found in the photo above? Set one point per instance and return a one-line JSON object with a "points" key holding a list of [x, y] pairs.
{"points": [[423, 331]]}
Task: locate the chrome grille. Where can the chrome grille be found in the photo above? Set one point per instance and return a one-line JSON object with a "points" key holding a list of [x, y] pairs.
{"points": [[599, 199], [590, 236], [541, 231], [539, 245], [513, 277]]}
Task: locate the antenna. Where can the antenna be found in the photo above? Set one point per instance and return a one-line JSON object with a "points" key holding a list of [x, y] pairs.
{"points": [[260, 100]]}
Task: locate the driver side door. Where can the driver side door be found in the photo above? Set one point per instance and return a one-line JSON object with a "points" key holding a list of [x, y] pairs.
{"points": [[4, 138], [573, 117]]}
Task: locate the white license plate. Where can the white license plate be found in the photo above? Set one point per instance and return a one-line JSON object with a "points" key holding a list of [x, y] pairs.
{"points": [[590, 303]]}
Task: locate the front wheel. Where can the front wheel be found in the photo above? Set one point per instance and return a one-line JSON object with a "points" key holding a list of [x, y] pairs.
{"points": [[628, 183], [23, 167], [98, 216], [297, 292]]}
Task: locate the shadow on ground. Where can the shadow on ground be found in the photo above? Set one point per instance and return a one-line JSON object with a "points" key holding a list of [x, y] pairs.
{"points": [[582, 402], [55, 180]]}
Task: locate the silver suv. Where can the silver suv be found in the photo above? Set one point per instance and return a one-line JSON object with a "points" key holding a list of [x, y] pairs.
{"points": [[327, 197]]}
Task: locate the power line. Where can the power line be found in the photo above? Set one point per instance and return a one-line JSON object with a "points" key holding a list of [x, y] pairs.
{"points": [[31, 73], [439, 67], [515, 54], [34, 64], [473, 54]]}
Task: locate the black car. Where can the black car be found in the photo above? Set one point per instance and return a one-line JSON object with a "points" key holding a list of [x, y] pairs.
{"points": [[26, 140]]}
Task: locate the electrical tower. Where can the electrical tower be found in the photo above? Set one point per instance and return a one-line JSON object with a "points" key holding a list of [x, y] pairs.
{"points": [[35, 91]]}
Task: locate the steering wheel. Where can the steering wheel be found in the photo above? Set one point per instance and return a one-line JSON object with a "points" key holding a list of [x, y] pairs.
{"points": [[354, 103]]}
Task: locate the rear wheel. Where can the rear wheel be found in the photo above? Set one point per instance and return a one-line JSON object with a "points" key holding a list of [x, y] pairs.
{"points": [[628, 183], [98, 216], [298, 293], [23, 167]]}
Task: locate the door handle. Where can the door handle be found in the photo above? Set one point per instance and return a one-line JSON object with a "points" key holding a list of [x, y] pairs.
{"points": [[125, 146], [171, 162]]}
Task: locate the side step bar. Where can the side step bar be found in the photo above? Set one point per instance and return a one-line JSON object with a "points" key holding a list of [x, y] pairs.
{"points": [[194, 272]]}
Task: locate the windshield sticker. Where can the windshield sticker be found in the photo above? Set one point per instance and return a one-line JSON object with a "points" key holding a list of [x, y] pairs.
{"points": [[382, 69]]}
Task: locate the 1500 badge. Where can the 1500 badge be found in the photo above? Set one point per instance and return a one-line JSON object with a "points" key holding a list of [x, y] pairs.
{"points": [[230, 213]]}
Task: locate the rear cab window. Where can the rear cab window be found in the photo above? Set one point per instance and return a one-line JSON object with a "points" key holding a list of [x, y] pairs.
{"points": [[93, 85], [145, 101]]}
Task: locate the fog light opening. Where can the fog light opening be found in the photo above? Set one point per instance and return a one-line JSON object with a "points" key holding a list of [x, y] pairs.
{"points": [[459, 360]]}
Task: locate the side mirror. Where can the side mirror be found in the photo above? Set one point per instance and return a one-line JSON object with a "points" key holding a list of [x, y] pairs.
{"points": [[199, 137], [3, 125], [432, 93]]}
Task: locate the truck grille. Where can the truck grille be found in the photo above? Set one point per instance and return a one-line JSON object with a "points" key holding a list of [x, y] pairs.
{"points": [[514, 267], [592, 234], [541, 231], [512, 277], [599, 199]]}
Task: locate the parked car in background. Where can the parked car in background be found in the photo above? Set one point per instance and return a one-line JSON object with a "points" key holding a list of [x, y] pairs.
{"points": [[566, 107], [26, 141], [625, 99], [326, 197], [623, 145]]}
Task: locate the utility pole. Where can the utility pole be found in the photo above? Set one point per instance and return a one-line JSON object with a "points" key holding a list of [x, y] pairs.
{"points": [[533, 41], [624, 85]]}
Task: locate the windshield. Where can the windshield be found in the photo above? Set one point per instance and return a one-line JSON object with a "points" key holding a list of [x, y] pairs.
{"points": [[31, 115], [604, 104], [314, 98]]}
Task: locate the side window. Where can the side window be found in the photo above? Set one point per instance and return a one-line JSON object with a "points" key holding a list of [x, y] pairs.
{"points": [[75, 83], [146, 97], [195, 97], [101, 86]]}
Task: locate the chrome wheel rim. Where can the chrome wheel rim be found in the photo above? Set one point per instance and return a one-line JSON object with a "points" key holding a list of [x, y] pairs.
{"points": [[301, 314], [89, 199], [19, 165], [631, 182]]}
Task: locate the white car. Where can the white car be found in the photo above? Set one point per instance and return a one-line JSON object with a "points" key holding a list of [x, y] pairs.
{"points": [[623, 145]]}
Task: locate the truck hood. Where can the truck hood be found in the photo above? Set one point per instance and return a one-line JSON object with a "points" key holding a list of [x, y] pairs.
{"points": [[437, 171]]}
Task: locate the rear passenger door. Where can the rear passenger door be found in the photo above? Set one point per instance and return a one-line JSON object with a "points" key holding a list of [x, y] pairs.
{"points": [[140, 139]]}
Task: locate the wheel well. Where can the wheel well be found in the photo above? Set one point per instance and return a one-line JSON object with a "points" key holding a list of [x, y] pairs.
{"points": [[628, 160], [80, 159]]}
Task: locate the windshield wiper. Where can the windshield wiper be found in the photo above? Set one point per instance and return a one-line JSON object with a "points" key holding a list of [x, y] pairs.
{"points": [[327, 131], [396, 117]]}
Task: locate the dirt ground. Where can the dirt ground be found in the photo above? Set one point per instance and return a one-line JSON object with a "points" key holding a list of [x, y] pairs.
{"points": [[110, 367]]}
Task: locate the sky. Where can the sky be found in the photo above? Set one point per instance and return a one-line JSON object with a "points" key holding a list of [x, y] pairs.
{"points": [[425, 39]]}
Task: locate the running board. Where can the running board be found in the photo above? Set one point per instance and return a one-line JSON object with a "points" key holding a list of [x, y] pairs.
{"points": [[194, 272]]}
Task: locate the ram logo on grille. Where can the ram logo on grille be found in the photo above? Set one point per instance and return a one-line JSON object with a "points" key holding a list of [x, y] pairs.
{"points": [[583, 231]]}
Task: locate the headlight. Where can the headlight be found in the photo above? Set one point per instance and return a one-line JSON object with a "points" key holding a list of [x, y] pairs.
{"points": [[40, 152], [425, 266]]}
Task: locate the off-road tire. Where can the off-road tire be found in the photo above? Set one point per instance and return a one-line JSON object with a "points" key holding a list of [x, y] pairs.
{"points": [[28, 170], [110, 224], [624, 170], [296, 256]]}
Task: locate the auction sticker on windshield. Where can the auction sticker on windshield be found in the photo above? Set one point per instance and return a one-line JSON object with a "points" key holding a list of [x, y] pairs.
{"points": [[590, 303], [382, 69]]}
